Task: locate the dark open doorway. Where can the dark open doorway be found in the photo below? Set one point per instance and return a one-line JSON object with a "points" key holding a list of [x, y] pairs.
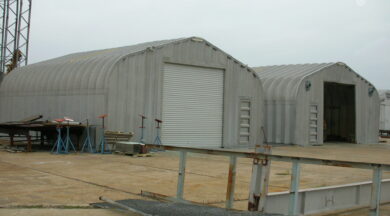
{"points": [[339, 113]]}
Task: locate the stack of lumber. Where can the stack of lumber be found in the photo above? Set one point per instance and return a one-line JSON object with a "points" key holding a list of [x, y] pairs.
{"points": [[112, 137]]}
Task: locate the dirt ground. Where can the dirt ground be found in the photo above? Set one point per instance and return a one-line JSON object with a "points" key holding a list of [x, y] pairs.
{"points": [[43, 180]]}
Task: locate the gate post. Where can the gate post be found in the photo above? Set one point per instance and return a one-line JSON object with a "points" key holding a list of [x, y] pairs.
{"points": [[181, 175], [294, 188], [231, 182], [376, 191], [259, 181]]}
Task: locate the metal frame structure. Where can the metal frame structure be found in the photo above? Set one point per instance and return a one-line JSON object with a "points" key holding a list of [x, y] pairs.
{"points": [[262, 158], [47, 131], [328, 199], [15, 33]]}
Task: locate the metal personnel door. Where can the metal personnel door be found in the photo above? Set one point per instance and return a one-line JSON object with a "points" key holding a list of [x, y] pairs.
{"points": [[192, 106]]}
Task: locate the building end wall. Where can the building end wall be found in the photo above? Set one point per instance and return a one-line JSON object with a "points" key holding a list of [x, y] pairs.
{"points": [[367, 106]]}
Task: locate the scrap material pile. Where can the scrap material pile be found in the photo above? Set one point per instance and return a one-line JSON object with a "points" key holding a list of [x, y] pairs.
{"points": [[33, 130]]}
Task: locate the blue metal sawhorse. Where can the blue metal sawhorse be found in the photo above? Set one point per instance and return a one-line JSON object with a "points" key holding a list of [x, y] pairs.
{"points": [[87, 142], [59, 146], [102, 142], [68, 142]]}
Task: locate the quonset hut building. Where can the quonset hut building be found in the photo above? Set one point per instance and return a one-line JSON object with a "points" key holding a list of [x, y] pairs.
{"points": [[311, 104], [204, 97]]}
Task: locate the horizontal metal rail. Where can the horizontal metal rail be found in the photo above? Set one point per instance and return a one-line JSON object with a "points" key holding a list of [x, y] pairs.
{"points": [[221, 152], [275, 157]]}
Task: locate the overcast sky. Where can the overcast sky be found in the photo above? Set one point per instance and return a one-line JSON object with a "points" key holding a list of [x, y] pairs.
{"points": [[256, 32]]}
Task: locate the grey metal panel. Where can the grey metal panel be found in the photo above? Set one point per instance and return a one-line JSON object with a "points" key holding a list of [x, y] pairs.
{"points": [[288, 102], [192, 107], [331, 198], [52, 106]]}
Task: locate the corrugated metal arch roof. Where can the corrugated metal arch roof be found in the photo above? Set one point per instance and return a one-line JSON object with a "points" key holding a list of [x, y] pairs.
{"points": [[281, 82], [79, 72], [84, 72]]}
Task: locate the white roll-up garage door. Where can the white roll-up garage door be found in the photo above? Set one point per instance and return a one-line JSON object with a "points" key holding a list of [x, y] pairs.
{"points": [[192, 106]]}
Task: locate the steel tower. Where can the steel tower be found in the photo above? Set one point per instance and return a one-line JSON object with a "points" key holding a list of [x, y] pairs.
{"points": [[15, 33]]}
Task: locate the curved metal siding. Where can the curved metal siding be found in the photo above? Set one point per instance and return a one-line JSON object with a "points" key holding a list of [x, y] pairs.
{"points": [[281, 84], [287, 104], [80, 71], [55, 87]]}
